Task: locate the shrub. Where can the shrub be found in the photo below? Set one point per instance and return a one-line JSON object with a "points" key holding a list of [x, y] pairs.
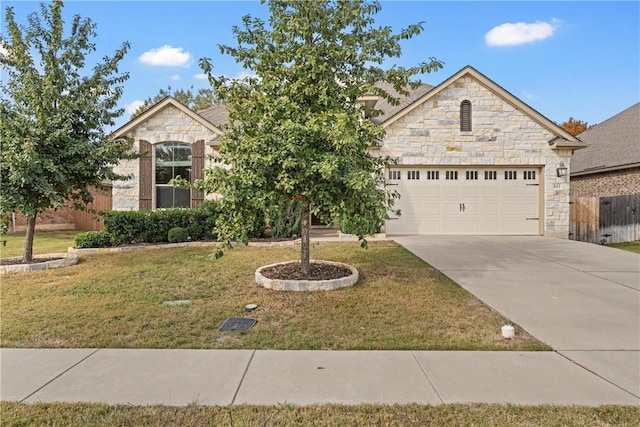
{"points": [[128, 227], [285, 220], [353, 225], [93, 239], [178, 234]]}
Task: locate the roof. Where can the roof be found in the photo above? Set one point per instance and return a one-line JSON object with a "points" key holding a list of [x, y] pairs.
{"points": [[389, 111], [615, 144], [218, 115]]}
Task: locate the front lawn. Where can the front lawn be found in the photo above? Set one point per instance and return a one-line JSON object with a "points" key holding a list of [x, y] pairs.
{"points": [[44, 242], [116, 300], [85, 414], [627, 246]]}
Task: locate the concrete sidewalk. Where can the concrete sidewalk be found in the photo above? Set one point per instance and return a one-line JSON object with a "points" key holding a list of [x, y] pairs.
{"points": [[265, 377]]}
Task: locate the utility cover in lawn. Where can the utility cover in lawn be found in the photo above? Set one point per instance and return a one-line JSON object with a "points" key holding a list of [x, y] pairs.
{"points": [[237, 324]]}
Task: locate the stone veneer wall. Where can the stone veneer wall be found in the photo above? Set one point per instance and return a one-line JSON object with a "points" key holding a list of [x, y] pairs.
{"points": [[501, 135], [605, 184], [168, 125]]}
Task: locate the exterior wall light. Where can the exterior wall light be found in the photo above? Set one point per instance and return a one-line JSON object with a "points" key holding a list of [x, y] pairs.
{"points": [[561, 170]]}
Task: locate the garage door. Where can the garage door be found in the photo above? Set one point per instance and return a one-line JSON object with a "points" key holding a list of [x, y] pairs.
{"points": [[466, 201]]}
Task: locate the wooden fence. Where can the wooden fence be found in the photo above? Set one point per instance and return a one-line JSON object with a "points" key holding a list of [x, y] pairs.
{"points": [[86, 221], [605, 219]]}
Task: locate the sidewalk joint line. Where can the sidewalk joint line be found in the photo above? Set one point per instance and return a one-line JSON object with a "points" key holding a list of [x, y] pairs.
{"points": [[244, 374], [596, 374], [424, 372], [60, 374]]}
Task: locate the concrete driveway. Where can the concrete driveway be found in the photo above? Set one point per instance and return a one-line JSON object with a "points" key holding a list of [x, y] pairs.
{"points": [[581, 299]]}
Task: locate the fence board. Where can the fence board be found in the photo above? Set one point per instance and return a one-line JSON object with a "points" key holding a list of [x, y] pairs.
{"points": [[620, 218], [86, 221], [584, 217]]}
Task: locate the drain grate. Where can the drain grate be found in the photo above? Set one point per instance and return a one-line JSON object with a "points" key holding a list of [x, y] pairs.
{"points": [[237, 324]]}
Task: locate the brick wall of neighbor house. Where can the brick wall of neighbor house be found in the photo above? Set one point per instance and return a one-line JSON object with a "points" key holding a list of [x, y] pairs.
{"points": [[168, 125], [501, 135], [613, 183], [52, 219]]}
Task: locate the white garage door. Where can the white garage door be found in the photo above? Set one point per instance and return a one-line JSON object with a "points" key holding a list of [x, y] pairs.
{"points": [[466, 200]]}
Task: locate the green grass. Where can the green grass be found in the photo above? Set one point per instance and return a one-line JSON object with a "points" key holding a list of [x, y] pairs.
{"points": [[82, 414], [627, 246], [115, 301], [44, 242]]}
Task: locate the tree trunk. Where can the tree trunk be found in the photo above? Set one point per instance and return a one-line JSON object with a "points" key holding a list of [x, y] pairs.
{"points": [[27, 256], [304, 238]]}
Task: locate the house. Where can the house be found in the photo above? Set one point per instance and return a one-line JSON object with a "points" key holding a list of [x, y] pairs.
{"points": [[605, 181], [472, 159], [610, 166]]}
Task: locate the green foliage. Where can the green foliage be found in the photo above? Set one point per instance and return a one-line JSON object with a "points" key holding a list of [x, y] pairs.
{"points": [[296, 129], [355, 225], [203, 99], [54, 110], [178, 234], [93, 239], [285, 220], [126, 227]]}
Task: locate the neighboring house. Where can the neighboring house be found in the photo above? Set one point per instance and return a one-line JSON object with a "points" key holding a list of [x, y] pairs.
{"points": [[472, 159], [605, 181], [610, 166]]}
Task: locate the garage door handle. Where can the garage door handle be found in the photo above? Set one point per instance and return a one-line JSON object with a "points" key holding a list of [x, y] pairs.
{"points": [[462, 207]]}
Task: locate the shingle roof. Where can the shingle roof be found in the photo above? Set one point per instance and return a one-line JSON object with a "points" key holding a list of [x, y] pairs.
{"points": [[217, 115], [391, 110], [614, 143]]}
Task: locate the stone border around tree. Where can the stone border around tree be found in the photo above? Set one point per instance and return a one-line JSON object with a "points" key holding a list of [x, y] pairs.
{"points": [[65, 260], [307, 285]]}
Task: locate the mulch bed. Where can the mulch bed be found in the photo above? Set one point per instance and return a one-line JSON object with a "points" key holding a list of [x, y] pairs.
{"points": [[317, 271]]}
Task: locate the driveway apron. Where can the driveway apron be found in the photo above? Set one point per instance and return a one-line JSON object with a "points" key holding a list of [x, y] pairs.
{"points": [[581, 299]]}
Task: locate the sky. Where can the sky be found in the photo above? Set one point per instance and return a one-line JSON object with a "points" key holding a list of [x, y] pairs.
{"points": [[577, 59]]}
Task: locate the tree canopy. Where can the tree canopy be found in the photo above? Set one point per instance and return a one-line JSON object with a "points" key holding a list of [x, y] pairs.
{"points": [[53, 112], [574, 127], [200, 100], [297, 130]]}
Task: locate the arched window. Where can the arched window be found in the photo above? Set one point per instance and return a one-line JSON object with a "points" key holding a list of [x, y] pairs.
{"points": [[465, 116], [172, 159]]}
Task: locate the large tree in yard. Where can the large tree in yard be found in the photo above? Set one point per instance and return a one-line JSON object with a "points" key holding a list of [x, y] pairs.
{"points": [[53, 112], [297, 130]]}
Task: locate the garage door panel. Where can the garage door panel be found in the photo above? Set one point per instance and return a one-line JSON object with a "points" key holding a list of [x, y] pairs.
{"points": [[499, 201]]}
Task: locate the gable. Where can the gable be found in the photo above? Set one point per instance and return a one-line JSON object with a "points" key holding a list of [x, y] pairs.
{"points": [[169, 119], [463, 81]]}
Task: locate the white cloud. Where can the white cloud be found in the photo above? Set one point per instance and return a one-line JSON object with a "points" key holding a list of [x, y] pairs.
{"points": [[201, 76], [175, 77], [167, 56], [510, 34], [3, 51], [133, 106]]}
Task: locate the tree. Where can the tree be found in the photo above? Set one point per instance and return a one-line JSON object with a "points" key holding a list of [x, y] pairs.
{"points": [[574, 127], [297, 131], [204, 98], [53, 111]]}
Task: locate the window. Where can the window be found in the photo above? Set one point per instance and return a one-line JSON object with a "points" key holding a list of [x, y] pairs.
{"points": [[490, 175], [433, 174], [413, 174], [471, 175], [510, 175], [529, 175], [172, 160], [451, 175], [465, 116], [394, 175]]}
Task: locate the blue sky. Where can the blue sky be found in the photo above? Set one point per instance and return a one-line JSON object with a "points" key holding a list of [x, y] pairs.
{"points": [[576, 59]]}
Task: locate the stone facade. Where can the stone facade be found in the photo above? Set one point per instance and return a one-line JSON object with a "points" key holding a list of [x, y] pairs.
{"points": [[501, 135], [168, 125], [605, 184]]}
